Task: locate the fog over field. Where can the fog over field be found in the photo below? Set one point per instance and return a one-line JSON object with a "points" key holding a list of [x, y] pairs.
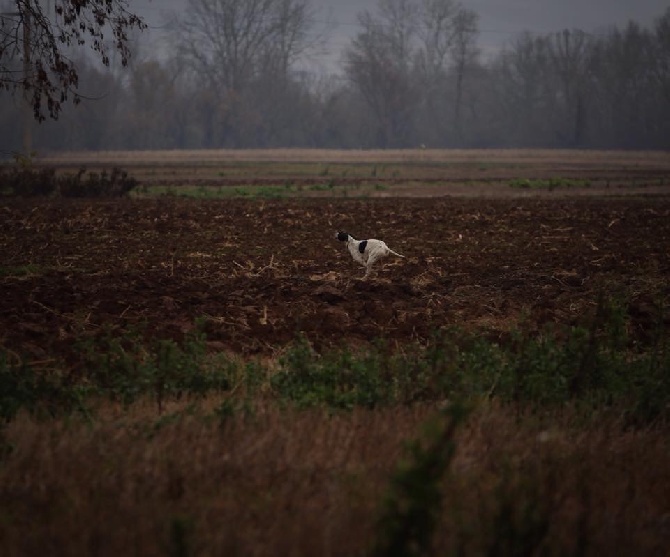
{"points": [[383, 74], [499, 20]]}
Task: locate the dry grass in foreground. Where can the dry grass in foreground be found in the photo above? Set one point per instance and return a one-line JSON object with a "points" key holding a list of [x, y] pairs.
{"points": [[265, 481]]}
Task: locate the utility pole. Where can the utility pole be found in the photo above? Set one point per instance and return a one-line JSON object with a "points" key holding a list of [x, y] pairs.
{"points": [[26, 108]]}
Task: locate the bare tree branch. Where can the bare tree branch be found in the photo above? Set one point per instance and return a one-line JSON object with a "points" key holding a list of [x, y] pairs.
{"points": [[39, 43]]}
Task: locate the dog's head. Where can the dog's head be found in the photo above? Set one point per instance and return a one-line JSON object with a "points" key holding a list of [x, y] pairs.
{"points": [[342, 236]]}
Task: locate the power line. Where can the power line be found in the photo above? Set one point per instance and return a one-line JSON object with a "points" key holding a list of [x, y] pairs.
{"points": [[339, 23]]}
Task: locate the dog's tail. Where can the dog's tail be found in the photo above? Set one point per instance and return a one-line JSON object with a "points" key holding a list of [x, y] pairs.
{"points": [[396, 253]]}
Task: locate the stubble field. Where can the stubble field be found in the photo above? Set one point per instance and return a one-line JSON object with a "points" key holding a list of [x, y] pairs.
{"points": [[535, 245], [532, 241], [260, 272]]}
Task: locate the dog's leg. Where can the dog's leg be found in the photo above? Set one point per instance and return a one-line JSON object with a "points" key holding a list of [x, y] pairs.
{"points": [[373, 257]]}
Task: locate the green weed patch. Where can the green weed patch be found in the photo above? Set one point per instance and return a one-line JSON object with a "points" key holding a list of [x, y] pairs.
{"points": [[591, 367], [20, 270], [549, 184]]}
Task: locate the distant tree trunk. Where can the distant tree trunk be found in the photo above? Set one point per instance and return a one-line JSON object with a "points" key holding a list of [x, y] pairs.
{"points": [[570, 54], [463, 53]]}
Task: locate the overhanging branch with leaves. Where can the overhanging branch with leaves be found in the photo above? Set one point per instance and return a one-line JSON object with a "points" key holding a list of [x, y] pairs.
{"points": [[35, 45]]}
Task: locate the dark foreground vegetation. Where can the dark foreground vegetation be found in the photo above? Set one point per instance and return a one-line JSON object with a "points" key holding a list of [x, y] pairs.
{"points": [[205, 377], [593, 370], [23, 180], [548, 443]]}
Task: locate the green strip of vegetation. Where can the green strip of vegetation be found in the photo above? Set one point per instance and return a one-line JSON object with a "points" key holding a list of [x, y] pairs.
{"points": [[218, 192], [252, 191], [549, 184], [20, 270], [594, 368]]}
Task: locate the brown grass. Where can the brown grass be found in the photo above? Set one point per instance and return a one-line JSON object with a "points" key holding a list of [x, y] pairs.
{"points": [[381, 173], [311, 483], [517, 156], [278, 481]]}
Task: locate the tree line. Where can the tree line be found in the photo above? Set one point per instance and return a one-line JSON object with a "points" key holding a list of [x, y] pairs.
{"points": [[413, 75]]}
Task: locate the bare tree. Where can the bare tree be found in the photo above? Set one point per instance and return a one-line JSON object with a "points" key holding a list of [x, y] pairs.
{"points": [[435, 39], [34, 46], [229, 42], [437, 32], [399, 63], [378, 64], [569, 52], [233, 45], [661, 72], [661, 53], [464, 53], [523, 94]]}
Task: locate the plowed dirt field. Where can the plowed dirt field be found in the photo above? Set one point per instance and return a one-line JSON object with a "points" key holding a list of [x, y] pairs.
{"points": [[257, 273]]}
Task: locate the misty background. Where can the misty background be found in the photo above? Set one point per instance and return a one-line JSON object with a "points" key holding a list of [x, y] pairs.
{"points": [[373, 74]]}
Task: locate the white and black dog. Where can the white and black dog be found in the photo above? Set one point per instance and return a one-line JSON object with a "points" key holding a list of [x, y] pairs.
{"points": [[366, 252]]}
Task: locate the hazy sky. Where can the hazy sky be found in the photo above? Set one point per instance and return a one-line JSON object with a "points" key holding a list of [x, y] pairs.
{"points": [[500, 20]]}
